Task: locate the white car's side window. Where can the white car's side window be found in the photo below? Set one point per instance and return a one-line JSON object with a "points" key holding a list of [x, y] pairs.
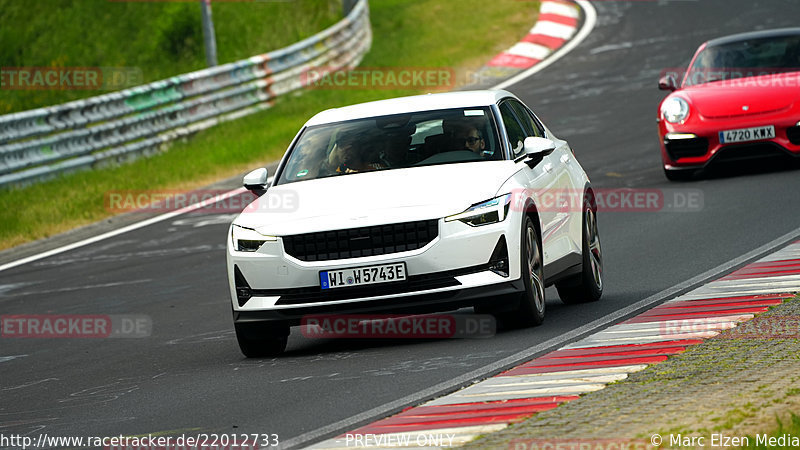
{"points": [[516, 135], [528, 122]]}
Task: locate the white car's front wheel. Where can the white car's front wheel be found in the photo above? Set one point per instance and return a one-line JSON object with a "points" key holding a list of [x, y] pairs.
{"points": [[530, 311]]}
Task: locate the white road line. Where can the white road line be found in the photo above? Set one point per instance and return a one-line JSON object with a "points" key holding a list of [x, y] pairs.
{"points": [[702, 320], [498, 394], [519, 380], [585, 343], [790, 252], [493, 393], [117, 232]]}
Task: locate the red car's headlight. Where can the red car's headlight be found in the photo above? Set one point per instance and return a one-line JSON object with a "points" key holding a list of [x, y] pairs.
{"points": [[675, 110]]}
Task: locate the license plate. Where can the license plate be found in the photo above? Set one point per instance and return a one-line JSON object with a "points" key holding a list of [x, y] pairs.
{"points": [[362, 276], [747, 134]]}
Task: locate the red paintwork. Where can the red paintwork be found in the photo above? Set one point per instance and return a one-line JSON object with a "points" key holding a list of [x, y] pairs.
{"points": [[541, 39], [558, 18], [717, 106], [534, 367], [766, 269], [703, 312]]}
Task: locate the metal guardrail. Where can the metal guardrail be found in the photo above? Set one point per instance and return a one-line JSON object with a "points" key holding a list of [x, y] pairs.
{"points": [[108, 129]]}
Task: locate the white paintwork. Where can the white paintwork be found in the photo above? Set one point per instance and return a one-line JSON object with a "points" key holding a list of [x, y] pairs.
{"points": [[559, 8], [376, 198], [557, 30], [413, 103], [529, 50], [408, 195]]}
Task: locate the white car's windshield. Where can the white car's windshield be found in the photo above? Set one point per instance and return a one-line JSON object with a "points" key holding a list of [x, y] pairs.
{"points": [[743, 59], [393, 142]]}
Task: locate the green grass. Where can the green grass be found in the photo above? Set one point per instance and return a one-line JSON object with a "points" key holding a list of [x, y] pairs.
{"points": [[160, 39], [457, 34], [791, 429]]}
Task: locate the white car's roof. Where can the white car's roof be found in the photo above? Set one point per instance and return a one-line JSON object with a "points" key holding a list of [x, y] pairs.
{"points": [[414, 103]]}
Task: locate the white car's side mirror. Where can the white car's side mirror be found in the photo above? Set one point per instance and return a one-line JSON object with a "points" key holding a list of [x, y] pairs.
{"points": [[537, 148], [256, 181]]}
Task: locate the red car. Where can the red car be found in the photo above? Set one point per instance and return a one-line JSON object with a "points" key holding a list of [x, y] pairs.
{"points": [[738, 100]]}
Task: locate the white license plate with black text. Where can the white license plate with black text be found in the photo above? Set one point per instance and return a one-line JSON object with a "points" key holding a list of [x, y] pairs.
{"points": [[747, 134], [362, 276]]}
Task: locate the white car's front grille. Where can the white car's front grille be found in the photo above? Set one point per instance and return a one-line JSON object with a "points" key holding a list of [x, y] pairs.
{"points": [[359, 242]]}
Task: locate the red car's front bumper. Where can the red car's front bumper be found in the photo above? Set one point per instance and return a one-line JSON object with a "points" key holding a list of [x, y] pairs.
{"points": [[695, 143]]}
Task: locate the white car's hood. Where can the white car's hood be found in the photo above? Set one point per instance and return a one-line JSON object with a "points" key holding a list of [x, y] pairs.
{"points": [[375, 198]]}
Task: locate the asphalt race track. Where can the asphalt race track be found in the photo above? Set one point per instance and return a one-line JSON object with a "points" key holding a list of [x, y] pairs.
{"points": [[188, 377]]}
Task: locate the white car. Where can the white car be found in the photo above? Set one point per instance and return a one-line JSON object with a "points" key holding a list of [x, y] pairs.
{"points": [[412, 205]]}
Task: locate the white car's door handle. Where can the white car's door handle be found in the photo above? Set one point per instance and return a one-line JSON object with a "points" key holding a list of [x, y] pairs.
{"points": [[565, 159], [548, 167]]}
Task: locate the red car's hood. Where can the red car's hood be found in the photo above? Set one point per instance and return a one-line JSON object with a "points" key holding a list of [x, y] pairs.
{"points": [[745, 96]]}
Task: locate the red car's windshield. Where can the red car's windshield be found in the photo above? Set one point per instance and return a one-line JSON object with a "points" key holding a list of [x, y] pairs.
{"points": [[747, 58]]}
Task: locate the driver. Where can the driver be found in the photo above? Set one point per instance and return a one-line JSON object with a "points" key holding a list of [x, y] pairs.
{"points": [[467, 137]]}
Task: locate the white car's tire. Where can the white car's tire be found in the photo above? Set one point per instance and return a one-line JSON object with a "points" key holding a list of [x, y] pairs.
{"points": [[530, 311], [586, 286]]}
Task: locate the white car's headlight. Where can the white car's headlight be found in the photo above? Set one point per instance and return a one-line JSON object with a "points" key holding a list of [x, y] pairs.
{"points": [[247, 239], [484, 213], [675, 110]]}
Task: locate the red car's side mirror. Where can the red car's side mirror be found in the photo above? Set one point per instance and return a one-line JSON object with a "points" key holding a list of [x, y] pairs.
{"points": [[668, 83]]}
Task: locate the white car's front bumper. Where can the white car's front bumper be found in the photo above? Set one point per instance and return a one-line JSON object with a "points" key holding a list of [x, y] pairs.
{"points": [[455, 266]]}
